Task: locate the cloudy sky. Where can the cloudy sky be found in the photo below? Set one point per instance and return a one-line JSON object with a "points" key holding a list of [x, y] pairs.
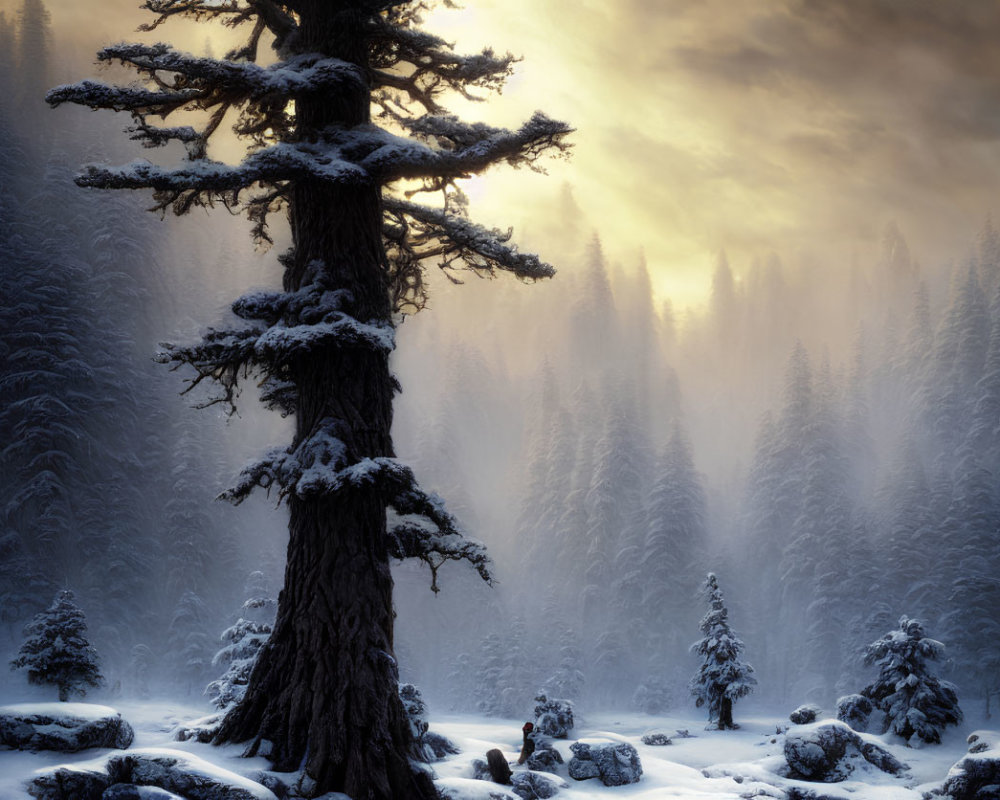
{"points": [[795, 126]]}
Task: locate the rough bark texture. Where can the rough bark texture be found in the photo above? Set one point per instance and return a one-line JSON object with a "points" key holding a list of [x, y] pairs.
{"points": [[324, 690]]}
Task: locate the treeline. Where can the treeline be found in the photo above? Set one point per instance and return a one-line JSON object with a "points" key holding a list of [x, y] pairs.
{"points": [[107, 479], [827, 442]]}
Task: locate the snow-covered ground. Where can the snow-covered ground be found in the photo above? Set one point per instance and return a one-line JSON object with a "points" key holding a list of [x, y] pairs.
{"points": [[718, 765]]}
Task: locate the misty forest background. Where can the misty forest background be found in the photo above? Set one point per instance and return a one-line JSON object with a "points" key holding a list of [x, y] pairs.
{"points": [[824, 436]]}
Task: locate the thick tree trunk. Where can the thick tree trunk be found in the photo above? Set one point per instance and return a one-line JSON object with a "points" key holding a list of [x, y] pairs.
{"points": [[324, 692]]}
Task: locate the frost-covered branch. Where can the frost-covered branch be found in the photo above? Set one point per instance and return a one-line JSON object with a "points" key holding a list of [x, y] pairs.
{"points": [[415, 232], [284, 328], [320, 465], [473, 148], [204, 181], [199, 83], [422, 67], [424, 529], [225, 357], [301, 74]]}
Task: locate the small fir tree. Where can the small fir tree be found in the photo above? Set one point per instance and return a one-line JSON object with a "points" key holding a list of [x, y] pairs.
{"points": [[723, 677], [56, 650], [243, 642], [915, 702]]}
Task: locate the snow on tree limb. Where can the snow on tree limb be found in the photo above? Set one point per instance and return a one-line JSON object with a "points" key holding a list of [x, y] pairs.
{"points": [[208, 179], [399, 158], [430, 66], [415, 232], [320, 465], [232, 13], [301, 74], [284, 327], [426, 530]]}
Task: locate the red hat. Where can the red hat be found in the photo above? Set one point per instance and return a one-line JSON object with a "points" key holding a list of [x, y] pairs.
{"points": [[528, 726]]}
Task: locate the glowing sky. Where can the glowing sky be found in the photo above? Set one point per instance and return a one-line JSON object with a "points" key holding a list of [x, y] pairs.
{"points": [[799, 126]]}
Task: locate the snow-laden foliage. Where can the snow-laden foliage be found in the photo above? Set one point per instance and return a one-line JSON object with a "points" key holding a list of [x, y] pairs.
{"points": [[915, 702], [242, 642], [56, 651], [723, 676], [438, 148]]}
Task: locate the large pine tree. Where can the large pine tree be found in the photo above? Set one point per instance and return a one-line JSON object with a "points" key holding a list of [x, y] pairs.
{"points": [[323, 692]]}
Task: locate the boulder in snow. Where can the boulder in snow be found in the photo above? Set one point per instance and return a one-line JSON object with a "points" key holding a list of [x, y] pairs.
{"points": [[977, 775], [545, 758], [183, 774], [829, 751], [804, 714], [202, 729], [129, 791], [857, 711], [553, 717], [64, 727], [656, 739], [67, 783], [535, 786], [437, 746], [432, 746], [615, 764]]}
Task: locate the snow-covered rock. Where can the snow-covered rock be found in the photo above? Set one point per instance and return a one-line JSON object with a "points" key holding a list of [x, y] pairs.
{"points": [[829, 751], [553, 717], [535, 786], [438, 746], [65, 727], [466, 789], [545, 758], [977, 775], [147, 774], [656, 739], [432, 746], [129, 791], [202, 729], [614, 764], [805, 714], [69, 783], [183, 774], [856, 710]]}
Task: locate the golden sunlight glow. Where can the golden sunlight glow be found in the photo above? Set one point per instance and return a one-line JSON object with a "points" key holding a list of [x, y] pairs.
{"points": [[709, 126]]}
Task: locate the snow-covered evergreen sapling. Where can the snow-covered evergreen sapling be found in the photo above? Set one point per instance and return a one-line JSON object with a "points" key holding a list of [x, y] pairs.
{"points": [[56, 651], [915, 702], [243, 641], [723, 677]]}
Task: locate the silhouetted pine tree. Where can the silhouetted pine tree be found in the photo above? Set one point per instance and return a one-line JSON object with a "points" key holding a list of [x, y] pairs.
{"points": [[56, 651]]}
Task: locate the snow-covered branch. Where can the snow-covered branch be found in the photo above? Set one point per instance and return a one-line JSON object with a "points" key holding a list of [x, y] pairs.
{"points": [[472, 149], [415, 232], [225, 357], [284, 328], [301, 74], [207, 83], [422, 66], [214, 179], [320, 465], [424, 529]]}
